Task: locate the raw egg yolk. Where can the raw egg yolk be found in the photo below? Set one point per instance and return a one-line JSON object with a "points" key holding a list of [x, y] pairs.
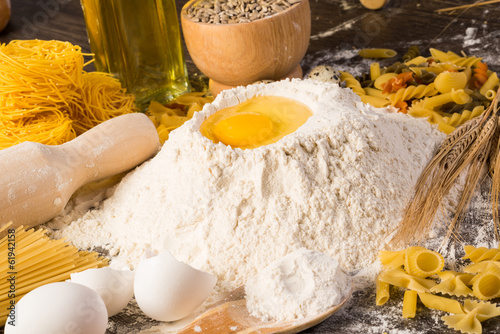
{"points": [[243, 129], [259, 121]]}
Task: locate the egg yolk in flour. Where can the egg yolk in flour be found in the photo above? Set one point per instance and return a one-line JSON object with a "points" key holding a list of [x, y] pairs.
{"points": [[259, 121]]}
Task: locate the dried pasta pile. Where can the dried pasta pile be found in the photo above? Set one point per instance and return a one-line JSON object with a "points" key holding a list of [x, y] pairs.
{"points": [[411, 268], [46, 97], [169, 117], [446, 88], [31, 259]]}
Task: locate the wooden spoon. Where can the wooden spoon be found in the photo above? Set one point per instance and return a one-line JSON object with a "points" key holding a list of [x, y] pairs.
{"points": [[230, 315]]}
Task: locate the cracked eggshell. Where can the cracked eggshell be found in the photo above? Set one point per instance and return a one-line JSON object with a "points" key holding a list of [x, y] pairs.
{"points": [[63, 307], [324, 73], [168, 290], [115, 287]]}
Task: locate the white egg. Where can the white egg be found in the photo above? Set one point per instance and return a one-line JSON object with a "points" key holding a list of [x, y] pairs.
{"points": [[115, 287], [62, 308], [324, 73], [169, 290]]}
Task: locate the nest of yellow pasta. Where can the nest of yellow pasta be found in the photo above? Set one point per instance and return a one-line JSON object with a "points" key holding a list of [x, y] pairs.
{"points": [[446, 88], [47, 97]]}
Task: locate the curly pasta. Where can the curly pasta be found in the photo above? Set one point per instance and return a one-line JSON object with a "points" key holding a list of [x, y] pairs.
{"points": [[396, 83], [443, 88], [413, 52], [412, 92], [352, 83], [480, 74]]}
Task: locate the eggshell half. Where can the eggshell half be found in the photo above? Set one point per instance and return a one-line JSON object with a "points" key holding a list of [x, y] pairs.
{"points": [[115, 287], [169, 290], [62, 308]]}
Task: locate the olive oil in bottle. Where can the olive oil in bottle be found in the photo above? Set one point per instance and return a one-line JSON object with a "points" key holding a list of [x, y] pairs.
{"points": [[139, 42]]}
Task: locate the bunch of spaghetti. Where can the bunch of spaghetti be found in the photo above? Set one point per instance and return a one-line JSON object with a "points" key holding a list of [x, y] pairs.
{"points": [[31, 259], [46, 97]]}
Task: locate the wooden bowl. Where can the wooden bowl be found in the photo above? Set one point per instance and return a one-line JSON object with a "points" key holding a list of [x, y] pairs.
{"points": [[4, 13], [242, 53]]}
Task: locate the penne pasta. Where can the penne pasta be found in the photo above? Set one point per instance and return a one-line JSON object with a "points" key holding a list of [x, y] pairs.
{"points": [[374, 71], [377, 53], [410, 304], [382, 293], [490, 84]]}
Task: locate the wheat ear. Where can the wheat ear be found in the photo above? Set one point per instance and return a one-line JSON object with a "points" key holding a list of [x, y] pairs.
{"points": [[468, 146], [495, 175]]}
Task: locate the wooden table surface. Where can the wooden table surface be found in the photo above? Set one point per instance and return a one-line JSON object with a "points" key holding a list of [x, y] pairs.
{"points": [[339, 28]]}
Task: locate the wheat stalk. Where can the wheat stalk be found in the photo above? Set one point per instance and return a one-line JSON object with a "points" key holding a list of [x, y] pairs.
{"points": [[476, 4], [470, 147]]}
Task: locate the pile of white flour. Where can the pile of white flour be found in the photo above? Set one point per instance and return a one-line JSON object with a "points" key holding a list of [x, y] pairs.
{"points": [[303, 284], [337, 185]]}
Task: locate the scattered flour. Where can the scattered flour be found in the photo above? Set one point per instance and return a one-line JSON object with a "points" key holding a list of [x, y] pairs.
{"points": [[337, 185], [302, 284]]}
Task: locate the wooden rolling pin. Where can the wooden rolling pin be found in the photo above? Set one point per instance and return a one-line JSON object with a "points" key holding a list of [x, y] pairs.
{"points": [[36, 181]]}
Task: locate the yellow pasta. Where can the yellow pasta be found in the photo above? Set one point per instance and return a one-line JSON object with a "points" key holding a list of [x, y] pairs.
{"points": [[102, 98], [454, 58], [377, 102], [466, 115], [474, 313], [392, 259], [177, 112], [383, 79], [377, 53], [448, 123], [375, 92], [490, 84], [352, 83], [412, 92], [444, 127], [478, 254], [416, 61], [458, 96], [480, 266], [453, 283], [441, 303], [490, 94], [486, 285], [39, 260], [382, 293], [374, 70], [421, 262], [446, 81], [419, 70], [46, 97], [410, 304], [446, 67], [398, 277]]}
